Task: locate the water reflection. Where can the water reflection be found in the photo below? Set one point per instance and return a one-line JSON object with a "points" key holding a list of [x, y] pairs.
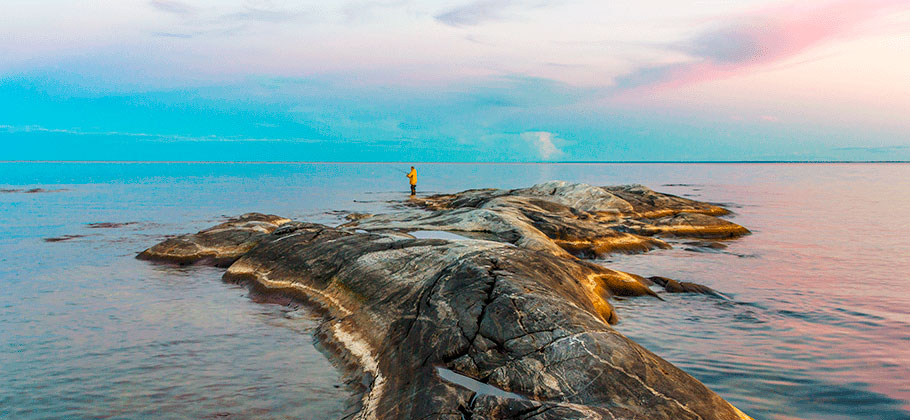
{"points": [[818, 326]]}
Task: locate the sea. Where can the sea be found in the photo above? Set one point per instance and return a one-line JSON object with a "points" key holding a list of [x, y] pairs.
{"points": [[814, 321]]}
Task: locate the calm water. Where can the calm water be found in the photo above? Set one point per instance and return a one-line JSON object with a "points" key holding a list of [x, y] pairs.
{"points": [[817, 325]]}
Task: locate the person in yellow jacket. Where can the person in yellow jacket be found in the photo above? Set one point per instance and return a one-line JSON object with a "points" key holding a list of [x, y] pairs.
{"points": [[412, 176]]}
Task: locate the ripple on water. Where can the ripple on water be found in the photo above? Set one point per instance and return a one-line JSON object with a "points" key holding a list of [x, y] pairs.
{"points": [[817, 329]]}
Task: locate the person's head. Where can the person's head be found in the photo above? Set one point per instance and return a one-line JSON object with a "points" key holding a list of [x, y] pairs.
{"points": [[412, 167]]}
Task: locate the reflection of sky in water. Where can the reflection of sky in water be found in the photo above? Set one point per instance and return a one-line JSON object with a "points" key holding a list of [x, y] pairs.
{"points": [[818, 326], [820, 311]]}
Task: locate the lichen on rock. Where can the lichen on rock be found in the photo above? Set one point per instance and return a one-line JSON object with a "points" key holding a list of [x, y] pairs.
{"points": [[523, 321]]}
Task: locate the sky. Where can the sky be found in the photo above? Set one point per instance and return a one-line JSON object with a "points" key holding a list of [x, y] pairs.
{"points": [[455, 80]]}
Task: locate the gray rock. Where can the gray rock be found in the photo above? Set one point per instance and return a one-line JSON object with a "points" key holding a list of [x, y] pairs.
{"points": [[524, 322], [564, 218], [647, 203], [220, 245]]}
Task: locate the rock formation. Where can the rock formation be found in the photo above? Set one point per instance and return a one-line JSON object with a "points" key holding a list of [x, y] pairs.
{"points": [[513, 327], [219, 245], [564, 218]]}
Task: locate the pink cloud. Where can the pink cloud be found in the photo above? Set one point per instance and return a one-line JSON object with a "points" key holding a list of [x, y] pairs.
{"points": [[762, 37]]}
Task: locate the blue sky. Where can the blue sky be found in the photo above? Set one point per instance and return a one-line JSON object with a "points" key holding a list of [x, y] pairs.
{"points": [[488, 80]]}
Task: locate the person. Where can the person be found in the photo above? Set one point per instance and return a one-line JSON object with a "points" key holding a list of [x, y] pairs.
{"points": [[412, 176]]}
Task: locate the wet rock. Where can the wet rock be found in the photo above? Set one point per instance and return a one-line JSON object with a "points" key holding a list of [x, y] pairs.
{"points": [[530, 324], [63, 238], [108, 225], [564, 218], [692, 225], [708, 245], [511, 325], [42, 190], [220, 245], [673, 286], [650, 204], [31, 190]]}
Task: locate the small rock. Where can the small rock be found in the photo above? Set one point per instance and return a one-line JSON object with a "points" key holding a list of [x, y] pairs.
{"points": [[673, 286]]}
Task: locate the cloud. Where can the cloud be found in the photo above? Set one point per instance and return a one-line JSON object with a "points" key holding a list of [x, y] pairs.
{"points": [[150, 136], [474, 13], [172, 35], [262, 14], [369, 9], [542, 141], [176, 7], [249, 11], [481, 11], [760, 38]]}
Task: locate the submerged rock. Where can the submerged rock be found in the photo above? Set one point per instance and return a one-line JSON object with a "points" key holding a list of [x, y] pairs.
{"points": [[510, 327], [647, 203], [109, 225], [31, 191], [63, 238], [220, 245], [673, 286], [716, 246]]}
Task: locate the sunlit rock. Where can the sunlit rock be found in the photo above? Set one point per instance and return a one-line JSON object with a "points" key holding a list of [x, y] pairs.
{"points": [[219, 245], [502, 321], [564, 218], [530, 326]]}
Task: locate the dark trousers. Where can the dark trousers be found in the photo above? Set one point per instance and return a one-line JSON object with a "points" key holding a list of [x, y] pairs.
{"points": [[413, 189]]}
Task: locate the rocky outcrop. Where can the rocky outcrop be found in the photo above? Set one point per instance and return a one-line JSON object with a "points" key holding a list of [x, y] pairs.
{"points": [[646, 203], [510, 327], [674, 286], [691, 225], [525, 222], [531, 326], [564, 218], [219, 245]]}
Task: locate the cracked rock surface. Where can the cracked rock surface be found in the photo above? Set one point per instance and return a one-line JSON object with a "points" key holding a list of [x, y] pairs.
{"points": [[564, 218], [522, 321], [514, 328]]}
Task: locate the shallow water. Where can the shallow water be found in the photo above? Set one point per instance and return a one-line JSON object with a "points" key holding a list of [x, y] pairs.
{"points": [[818, 325]]}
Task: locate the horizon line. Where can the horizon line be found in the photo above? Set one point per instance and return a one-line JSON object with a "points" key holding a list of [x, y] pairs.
{"points": [[278, 162]]}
